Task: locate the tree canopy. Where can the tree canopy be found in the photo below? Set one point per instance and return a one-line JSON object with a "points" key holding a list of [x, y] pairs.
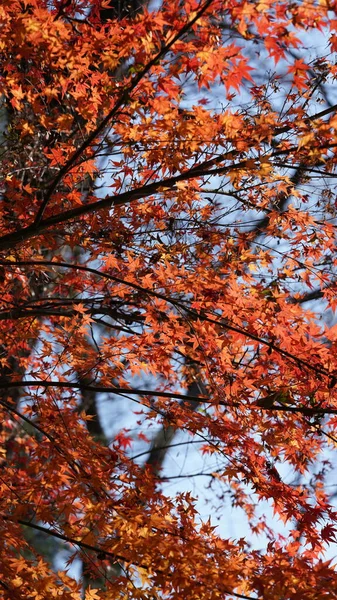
{"points": [[167, 238]]}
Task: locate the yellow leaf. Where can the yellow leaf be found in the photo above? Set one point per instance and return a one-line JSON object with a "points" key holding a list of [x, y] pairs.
{"points": [[306, 139], [91, 594], [252, 267]]}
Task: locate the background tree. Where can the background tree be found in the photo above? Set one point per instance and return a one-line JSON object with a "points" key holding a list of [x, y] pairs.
{"points": [[128, 257]]}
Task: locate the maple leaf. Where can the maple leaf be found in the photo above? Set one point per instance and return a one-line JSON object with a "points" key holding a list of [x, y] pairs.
{"points": [[239, 71], [122, 440], [328, 533], [91, 594]]}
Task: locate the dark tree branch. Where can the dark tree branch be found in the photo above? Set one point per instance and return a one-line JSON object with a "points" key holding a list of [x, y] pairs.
{"points": [[122, 100], [193, 314], [205, 169], [140, 392], [98, 550]]}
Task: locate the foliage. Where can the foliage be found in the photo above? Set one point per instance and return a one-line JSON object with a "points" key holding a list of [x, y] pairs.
{"points": [[149, 237]]}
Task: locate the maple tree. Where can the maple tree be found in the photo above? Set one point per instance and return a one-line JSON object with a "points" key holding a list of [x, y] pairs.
{"points": [[167, 214]]}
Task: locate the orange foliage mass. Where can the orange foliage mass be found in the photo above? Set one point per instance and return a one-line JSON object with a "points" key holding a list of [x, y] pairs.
{"points": [[195, 266]]}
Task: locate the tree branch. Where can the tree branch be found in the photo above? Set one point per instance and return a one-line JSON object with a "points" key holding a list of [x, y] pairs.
{"points": [[123, 99], [193, 314], [140, 392]]}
